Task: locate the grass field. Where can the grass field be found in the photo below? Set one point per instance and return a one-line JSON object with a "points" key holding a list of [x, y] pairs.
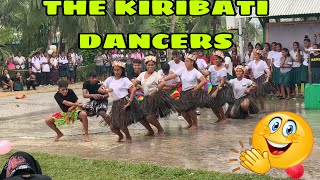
{"points": [[69, 168]]}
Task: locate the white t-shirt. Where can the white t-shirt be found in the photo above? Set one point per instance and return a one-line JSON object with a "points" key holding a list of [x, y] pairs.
{"points": [[120, 87], [175, 66], [294, 55], [189, 79], [258, 69], [306, 57], [228, 61], [248, 58], [215, 76], [63, 60], [45, 67], [201, 64], [54, 61], [20, 60], [270, 55], [149, 84], [74, 58], [239, 87], [277, 59], [37, 63], [171, 81]]}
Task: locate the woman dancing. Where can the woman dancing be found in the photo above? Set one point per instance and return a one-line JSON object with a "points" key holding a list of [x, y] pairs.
{"points": [[156, 103], [189, 78], [219, 94], [125, 111], [242, 89], [261, 75]]}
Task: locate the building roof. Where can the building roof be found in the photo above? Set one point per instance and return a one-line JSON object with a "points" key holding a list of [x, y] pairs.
{"points": [[291, 8]]}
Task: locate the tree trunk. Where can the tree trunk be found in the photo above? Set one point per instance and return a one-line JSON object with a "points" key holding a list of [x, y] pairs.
{"points": [[52, 30], [60, 43], [172, 29]]}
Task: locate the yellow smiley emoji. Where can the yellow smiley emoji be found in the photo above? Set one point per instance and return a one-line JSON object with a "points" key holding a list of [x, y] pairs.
{"points": [[280, 140]]}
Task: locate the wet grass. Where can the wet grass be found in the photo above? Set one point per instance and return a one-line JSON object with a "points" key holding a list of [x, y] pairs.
{"points": [[69, 168]]}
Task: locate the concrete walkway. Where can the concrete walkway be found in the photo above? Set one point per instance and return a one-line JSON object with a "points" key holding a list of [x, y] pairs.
{"points": [[207, 148]]}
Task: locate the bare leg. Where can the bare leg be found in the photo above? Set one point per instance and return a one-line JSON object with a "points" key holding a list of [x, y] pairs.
{"points": [[223, 117], [50, 122], [145, 123], [283, 94], [152, 119], [216, 112], [288, 92], [299, 89], [245, 105], [187, 117], [194, 119], [11, 85], [261, 100], [125, 130], [84, 119], [107, 119]]}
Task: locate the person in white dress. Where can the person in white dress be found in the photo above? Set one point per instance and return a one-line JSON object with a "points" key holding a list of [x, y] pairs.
{"points": [[242, 90], [20, 61], [190, 89], [125, 110], [45, 69], [156, 103]]}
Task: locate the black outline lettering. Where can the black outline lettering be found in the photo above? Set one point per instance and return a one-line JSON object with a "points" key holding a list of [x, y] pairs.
{"points": [[75, 11], [163, 43], [230, 39], [201, 47], [61, 1], [163, 5], [126, 13], [187, 8], [123, 37], [90, 40], [208, 7], [246, 2], [186, 44], [224, 13], [104, 11], [150, 8], [139, 47], [268, 8]]}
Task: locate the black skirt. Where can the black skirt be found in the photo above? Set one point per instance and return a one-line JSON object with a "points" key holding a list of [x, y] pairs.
{"points": [[225, 95], [160, 104], [187, 101], [239, 113], [123, 118], [263, 88]]}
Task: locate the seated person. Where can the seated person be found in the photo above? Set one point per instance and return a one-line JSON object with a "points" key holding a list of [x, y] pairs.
{"points": [[6, 82], [30, 79], [17, 82]]}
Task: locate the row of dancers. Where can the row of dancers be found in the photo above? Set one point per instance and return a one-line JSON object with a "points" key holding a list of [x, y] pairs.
{"points": [[204, 88]]}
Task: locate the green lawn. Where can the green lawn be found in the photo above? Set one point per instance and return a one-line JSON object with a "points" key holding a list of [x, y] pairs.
{"points": [[69, 168]]}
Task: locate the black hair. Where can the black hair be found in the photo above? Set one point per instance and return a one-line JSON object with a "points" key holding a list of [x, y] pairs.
{"points": [[258, 44], [136, 61], [286, 50], [195, 65], [306, 38], [274, 43], [123, 73], [63, 84], [269, 46], [165, 67], [221, 59], [226, 54], [297, 43], [250, 45], [279, 44], [175, 53]]}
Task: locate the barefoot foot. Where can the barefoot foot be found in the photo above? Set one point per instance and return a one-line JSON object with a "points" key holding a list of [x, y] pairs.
{"points": [[223, 121], [161, 132], [128, 140], [86, 138], [187, 127], [58, 137], [150, 133], [194, 127]]}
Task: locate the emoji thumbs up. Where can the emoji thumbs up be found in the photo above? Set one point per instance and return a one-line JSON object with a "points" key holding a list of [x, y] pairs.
{"points": [[255, 161]]}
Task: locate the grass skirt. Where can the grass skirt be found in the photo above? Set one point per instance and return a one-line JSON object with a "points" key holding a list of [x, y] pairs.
{"points": [[160, 103], [123, 118], [225, 95], [263, 88], [275, 74], [65, 118], [296, 75], [239, 113], [187, 101], [93, 107]]}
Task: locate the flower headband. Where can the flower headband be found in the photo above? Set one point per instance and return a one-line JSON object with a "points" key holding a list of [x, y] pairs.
{"points": [[150, 58], [119, 63], [219, 53], [240, 67], [191, 57]]}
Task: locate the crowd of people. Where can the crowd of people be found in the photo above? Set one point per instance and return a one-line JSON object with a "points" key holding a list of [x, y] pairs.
{"points": [[183, 85]]}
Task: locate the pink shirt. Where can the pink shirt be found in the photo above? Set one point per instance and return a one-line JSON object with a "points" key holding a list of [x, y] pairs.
{"points": [[11, 66], [138, 56]]}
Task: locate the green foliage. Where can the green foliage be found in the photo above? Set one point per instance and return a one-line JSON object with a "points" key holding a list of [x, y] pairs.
{"points": [[89, 55], [162, 24], [64, 168], [82, 72]]}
